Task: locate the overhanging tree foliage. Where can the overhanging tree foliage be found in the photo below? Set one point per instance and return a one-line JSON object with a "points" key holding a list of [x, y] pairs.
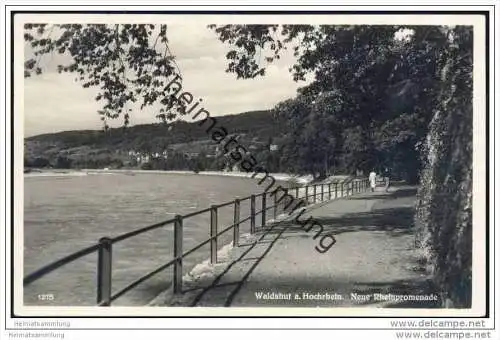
{"points": [[129, 63], [373, 91], [368, 106]]}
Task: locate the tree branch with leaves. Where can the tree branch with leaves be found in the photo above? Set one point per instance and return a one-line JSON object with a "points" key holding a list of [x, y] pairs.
{"points": [[127, 63]]}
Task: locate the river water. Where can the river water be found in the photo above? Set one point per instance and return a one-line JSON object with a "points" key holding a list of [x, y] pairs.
{"points": [[65, 213]]}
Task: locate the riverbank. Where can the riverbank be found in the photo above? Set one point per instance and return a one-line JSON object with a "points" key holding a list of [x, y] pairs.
{"points": [[84, 172]]}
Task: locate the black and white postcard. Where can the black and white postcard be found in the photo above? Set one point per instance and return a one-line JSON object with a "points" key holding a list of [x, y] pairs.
{"points": [[250, 164]]}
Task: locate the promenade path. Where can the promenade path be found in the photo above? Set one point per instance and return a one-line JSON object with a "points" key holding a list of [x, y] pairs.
{"points": [[374, 253]]}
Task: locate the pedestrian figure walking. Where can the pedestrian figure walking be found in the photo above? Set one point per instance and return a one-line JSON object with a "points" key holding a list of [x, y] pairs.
{"points": [[386, 179], [373, 180]]}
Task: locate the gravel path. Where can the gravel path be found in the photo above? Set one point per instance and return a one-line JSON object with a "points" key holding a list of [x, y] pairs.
{"points": [[373, 256]]}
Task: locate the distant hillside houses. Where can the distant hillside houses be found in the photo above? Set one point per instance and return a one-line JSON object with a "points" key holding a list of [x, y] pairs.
{"points": [[179, 146], [145, 157]]}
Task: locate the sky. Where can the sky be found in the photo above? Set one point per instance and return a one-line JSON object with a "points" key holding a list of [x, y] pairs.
{"points": [[54, 102]]}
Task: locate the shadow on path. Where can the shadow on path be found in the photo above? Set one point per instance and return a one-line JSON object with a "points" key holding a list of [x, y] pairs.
{"points": [[242, 258], [397, 221], [399, 193], [390, 221]]}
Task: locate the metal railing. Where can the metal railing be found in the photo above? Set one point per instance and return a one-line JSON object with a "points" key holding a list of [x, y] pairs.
{"points": [[104, 247]]}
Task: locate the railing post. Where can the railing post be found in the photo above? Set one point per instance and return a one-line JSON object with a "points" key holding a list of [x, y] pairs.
{"points": [[314, 192], [264, 208], [275, 205], [342, 189], [284, 201], [104, 270], [178, 254], [330, 191], [296, 192], [307, 193], [322, 192], [236, 221], [213, 234], [336, 189], [252, 214]]}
